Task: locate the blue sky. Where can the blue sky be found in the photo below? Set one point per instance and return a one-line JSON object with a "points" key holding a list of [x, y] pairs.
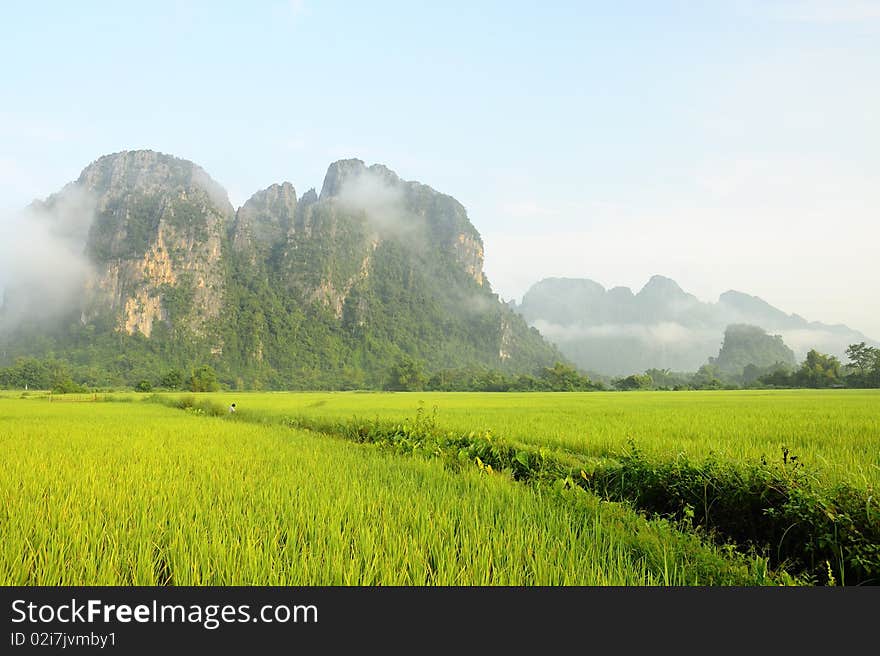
{"points": [[726, 144]]}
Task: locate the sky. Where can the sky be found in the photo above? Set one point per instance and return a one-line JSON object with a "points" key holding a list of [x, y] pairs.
{"points": [[728, 144]]}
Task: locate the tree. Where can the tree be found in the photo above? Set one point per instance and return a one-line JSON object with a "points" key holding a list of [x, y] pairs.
{"points": [[707, 377], [172, 379], [27, 373], [204, 379], [864, 362], [862, 358], [819, 370], [634, 382], [492, 381], [563, 378], [660, 378], [751, 373], [664, 379], [406, 374]]}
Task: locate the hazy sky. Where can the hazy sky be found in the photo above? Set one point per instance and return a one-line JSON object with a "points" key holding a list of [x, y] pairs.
{"points": [[726, 144]]}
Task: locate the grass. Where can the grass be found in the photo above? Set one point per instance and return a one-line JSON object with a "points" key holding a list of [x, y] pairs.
{"points": [[814, 514], [136, 493], [834, 433]]}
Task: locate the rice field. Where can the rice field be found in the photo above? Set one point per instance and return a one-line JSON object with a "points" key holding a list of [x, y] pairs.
{"points": [[136, 493], [834, 432], [118, 493]]}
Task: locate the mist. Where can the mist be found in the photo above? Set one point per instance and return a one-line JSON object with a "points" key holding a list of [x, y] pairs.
{"points": [[802, 340], [43, 268], [383, 203], [660, 334], [215, 190]]}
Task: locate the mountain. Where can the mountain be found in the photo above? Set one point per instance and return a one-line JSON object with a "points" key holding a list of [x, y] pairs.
{"points": [[746, 345], [157, 234], [617, 332], [322, 290]]}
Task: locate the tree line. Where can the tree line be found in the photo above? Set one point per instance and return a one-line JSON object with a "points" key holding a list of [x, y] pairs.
{"points": [[818, 370], [409, 374], [59, 377]]}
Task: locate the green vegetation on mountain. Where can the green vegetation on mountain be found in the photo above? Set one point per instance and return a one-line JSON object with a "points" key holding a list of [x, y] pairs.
{"points": [[322, 292], [749, 346]]}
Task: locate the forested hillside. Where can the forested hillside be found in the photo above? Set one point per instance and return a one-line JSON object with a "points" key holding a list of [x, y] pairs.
{"points": [[325, 290]]}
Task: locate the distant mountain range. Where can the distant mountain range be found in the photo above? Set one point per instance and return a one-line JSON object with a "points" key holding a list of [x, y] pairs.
{"points": [[617, 332]]}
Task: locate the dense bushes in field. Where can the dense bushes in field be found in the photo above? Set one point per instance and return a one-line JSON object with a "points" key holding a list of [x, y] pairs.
{"points": [[831, 533]]}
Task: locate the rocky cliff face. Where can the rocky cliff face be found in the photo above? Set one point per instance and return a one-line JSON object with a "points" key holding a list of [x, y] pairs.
{"points": [[749, 345], [345, 281], [405, 210], [265, 220], [326, 245], [156, 238]]}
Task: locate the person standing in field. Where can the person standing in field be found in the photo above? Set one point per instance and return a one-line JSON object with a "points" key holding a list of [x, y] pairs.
{"points": [[232, 409]]}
